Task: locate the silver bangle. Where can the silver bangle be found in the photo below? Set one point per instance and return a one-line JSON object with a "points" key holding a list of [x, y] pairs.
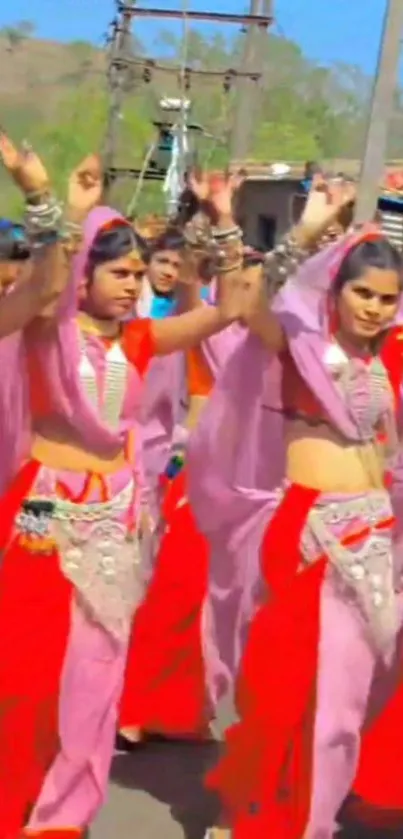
{"points": [[70, 230], [226, 235], [283, 261], [42, 218]]}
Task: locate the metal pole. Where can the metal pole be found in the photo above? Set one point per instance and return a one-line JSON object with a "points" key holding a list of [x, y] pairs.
{"points": [[120, 49], [383, 92], [247, 89]]}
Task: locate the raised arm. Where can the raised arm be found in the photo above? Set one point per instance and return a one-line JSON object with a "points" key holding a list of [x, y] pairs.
{"points": [[52, 237], [256, 311], [213, 234], [83, 194], [318, 225], [41, 285], [188, 330], [207, 229], [24, 303]]}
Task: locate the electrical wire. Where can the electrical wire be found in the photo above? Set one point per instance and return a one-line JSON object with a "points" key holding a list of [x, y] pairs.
{"points": [[152, 65], [132, 207]]}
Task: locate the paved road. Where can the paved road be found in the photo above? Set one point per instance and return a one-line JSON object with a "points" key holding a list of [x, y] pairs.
{"points": [[157, 793]]}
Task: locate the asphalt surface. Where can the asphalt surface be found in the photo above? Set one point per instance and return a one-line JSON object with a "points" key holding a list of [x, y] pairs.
{"points": [[157, 793]]}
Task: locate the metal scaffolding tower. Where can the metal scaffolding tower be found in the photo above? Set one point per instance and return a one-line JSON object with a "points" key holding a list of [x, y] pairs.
{"points": [[121, 61]]}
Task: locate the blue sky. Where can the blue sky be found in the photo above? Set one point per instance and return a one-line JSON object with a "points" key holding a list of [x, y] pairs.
{"points": [[327, 30]]}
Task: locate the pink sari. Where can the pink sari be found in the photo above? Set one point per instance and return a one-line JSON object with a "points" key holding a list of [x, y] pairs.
{"points": [[265, 618], [70, 622]]}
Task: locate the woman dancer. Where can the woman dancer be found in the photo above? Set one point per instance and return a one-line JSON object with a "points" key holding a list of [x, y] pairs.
{"points": [[70, 561], [52, 242], [311, 560], [165, 677], [164, 689], [164, 686]]}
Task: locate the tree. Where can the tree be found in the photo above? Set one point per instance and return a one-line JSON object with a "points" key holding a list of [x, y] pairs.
{"points": [[18, 33], [306, 111], [13, 36]]}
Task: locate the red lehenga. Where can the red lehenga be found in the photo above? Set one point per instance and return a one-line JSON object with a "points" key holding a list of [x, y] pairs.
{"points": [[377, 799], [264, 777], [28, 722], [165, 682], [35, 619], [165, 688]]}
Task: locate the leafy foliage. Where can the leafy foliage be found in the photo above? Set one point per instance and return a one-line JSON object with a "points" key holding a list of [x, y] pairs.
{"points": [[305, 112]]}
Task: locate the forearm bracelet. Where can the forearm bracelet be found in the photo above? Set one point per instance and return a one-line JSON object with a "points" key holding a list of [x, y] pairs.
{"points": [[228, 250], [45, 225], [283, 261], [43, 218]]}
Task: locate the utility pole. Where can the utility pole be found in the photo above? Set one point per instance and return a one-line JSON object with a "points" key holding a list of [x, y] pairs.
{"points": [[248, 89], [120, 49], [121, 63], [383, 93]]}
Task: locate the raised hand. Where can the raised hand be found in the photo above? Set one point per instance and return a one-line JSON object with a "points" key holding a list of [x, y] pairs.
{"points": [[85, 187], [222, 189], [327, 201], [198, 181], [215, 191], [25, 167], [342, 193]]}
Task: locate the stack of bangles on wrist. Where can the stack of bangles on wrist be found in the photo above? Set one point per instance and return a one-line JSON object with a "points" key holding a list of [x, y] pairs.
{"points": [[45, 224], [224, 246], [197, 237], [283, 261], [228, 249]]}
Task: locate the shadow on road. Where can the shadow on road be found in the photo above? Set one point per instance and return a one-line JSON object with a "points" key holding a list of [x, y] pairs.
{"points": [[172, 773]]}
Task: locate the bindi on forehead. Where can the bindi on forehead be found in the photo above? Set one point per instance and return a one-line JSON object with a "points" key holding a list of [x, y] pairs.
{"points": [[132, 262]]}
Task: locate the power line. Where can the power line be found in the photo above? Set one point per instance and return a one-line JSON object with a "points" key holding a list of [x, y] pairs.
{"points": [[121, 60], [149, 65]]}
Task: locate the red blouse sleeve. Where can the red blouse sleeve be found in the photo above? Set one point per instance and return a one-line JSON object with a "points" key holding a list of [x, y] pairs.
{"points": [[138, 343], [392, 357]]}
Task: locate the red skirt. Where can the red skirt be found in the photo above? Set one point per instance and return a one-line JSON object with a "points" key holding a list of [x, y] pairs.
{"points": [[377, 799], [264, 777], [34, 623], [165, 681]]}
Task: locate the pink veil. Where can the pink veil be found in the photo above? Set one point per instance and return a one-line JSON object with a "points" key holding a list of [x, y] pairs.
{"points": [[58, 355], [236, 459]]}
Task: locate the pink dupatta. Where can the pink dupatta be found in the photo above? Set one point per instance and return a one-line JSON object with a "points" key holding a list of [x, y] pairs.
{"points": [[58, 355], [236, 461]]}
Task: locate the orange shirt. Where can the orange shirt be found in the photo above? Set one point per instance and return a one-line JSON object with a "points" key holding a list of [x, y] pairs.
{"points": [[199, 378]]}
